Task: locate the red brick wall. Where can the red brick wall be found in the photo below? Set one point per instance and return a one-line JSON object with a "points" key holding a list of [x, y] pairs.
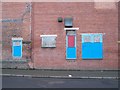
{"points": [[44, 21], [88, 19], [118, 34], [14, 11]]}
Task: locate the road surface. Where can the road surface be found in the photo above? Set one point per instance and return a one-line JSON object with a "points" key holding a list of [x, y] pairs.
{"points": [[28, 82]]}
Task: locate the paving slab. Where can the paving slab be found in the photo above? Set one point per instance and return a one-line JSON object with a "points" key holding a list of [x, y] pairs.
{"points": [[99, 74]]}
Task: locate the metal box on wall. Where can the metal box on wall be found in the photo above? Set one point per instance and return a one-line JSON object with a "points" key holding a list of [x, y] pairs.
{"points": [[68, 22], [17, 47]]}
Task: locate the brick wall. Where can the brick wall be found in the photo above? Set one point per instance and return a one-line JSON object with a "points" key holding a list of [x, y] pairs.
{"points": [[88, 17], [15, 21], [118, 34], [85, 16]]}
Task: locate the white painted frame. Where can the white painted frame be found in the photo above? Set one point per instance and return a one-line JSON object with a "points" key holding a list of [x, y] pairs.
{"points": [[71, 28], [48, 35]]}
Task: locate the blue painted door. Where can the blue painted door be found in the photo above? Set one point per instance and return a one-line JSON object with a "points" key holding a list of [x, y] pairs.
{"points": [[17, 48], [92, 46], [71, 53], [71, 46]]}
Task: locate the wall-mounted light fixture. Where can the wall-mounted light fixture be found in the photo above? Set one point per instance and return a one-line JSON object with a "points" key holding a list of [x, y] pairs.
{"points": [[60, 19]]}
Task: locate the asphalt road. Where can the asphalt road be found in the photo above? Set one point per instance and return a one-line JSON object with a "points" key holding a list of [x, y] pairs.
{"points": [[28, 82]]}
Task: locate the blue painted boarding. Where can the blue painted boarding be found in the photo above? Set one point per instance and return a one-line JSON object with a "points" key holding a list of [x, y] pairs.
{"points": [[71, 53], [17, 49], [92, 50]]}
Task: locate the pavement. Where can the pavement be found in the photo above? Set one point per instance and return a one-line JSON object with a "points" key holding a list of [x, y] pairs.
{"points": [[81, 74]]}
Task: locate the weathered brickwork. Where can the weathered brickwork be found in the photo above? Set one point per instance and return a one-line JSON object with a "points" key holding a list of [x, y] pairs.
{"points": [[15, 23], [88, 17], [89, 20]]}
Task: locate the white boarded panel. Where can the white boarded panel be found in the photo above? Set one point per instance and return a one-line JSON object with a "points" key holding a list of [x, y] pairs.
{"points": [[48, 40]]}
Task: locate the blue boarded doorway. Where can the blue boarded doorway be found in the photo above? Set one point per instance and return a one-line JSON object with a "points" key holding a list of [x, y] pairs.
{"points": [[71, 45], [17, 47]]}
